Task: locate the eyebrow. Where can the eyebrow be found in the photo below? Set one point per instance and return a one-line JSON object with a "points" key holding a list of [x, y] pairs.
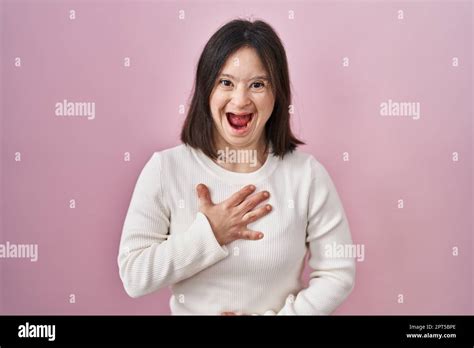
{"points": [[260, 77]]}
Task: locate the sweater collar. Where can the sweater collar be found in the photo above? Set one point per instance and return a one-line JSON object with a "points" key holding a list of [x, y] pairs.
{"points": [[231, 177]]}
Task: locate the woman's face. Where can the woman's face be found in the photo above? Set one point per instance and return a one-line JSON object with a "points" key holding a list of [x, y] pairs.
{"points": [[241, 101]]}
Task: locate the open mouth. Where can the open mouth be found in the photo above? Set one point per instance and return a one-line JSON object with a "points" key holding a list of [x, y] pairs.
{"points": [[239, 122]]}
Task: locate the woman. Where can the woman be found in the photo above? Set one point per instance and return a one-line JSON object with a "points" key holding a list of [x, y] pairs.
{"points": [[227, 218]]}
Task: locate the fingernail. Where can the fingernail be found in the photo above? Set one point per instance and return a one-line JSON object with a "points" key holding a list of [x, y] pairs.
{"points": [[260, 235], [269, 207], [252, 187], [266, 194]]}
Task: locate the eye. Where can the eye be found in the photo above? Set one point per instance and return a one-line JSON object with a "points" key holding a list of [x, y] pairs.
{"points": [[258, 85], [225, 83]]}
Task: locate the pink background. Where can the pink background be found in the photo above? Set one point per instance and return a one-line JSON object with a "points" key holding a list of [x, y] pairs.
{"points": [[407, 251]]}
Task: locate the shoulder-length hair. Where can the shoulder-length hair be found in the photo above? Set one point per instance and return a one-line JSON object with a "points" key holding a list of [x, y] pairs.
{"points": [[198, 127]]}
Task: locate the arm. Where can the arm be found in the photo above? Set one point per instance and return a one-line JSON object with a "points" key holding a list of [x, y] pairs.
{"points": [[149, 257], [331, 279]]}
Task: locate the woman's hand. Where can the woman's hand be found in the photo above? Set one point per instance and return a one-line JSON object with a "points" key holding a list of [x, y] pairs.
{"points": [[229, 218]]}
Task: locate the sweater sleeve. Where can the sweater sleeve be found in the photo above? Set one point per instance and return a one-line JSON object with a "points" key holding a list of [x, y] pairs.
{"points": [[149, 257], [332, 278]]}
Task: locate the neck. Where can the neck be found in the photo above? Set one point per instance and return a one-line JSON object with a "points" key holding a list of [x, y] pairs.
{"points": [[244, 159]]}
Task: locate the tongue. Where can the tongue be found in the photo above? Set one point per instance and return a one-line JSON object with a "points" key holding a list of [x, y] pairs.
{"points": [[239, 121]]}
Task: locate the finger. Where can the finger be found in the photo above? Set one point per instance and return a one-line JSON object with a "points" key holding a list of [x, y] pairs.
{"points": [[251, 202], [228, 313], [204, 196], [256, 214], [239, 196], [250, 235]]}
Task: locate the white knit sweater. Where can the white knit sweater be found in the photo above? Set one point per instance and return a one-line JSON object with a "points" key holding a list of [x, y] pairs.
{"points": [[166, 241]]}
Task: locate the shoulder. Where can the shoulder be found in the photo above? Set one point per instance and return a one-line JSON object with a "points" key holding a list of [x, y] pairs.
{"points": [[172, 156], [171, 159], [304, 161]]}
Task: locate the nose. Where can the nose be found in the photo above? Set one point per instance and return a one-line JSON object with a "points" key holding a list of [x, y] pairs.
{"points": [[240, 98]]}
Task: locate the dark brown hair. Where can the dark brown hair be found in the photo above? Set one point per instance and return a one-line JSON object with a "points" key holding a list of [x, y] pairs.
{"points": [[198, 127]]}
